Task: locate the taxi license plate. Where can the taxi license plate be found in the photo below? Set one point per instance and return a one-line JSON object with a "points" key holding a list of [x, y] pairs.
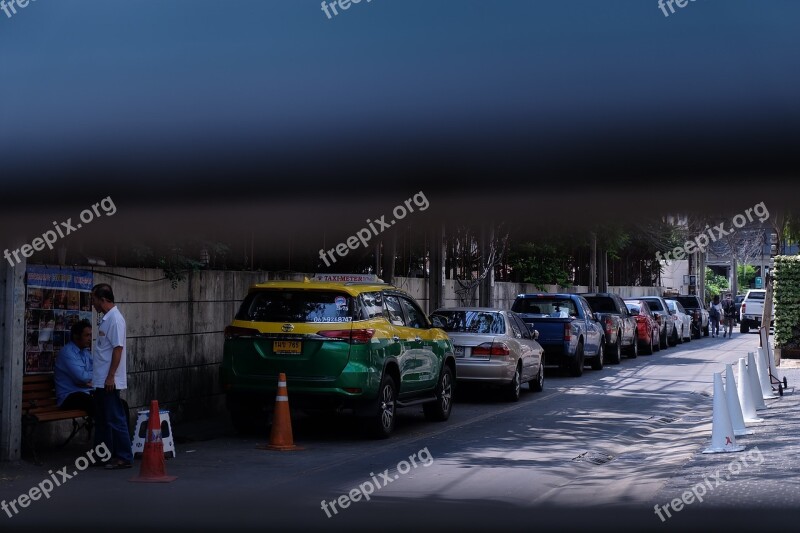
{"points": [[287, 347]]}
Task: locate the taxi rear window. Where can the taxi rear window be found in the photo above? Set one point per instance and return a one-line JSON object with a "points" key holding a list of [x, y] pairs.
{"points": [[277, 305]]}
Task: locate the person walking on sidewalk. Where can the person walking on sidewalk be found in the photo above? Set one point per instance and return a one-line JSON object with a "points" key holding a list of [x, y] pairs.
{"points": [[715, 314], [110, 376], [729, 313]]}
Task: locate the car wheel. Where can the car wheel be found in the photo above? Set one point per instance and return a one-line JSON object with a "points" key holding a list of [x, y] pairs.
{"points": [[597, 360], [634, 351], [649, 349], [705, 331], [744, 328], [662, 339], [512, 389], [616, 355], [439, 410], [383, 423], [576, 369], [537, 383], [674, 338]]}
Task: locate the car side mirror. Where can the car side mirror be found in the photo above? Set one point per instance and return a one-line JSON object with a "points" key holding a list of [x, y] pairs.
{"points": [[536, 334], [437, 322]]}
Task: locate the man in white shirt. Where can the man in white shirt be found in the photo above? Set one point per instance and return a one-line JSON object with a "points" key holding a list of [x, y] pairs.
{"points": [[109, 377]]}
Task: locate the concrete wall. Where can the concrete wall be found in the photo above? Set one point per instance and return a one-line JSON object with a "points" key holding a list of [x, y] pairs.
{"points": [[504, 292], [175, 335]]}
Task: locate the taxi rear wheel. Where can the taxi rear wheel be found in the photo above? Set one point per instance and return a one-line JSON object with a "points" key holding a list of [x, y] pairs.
{"points": [[383, 421], [440, 409]]}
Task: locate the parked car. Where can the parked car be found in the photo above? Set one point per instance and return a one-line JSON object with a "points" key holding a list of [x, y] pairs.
{"points": [[658, 306], [738, 301], [494, 346], [694, 307], [648, 330], [364, 346], [683, 321], [620, 326], [752, 310], [568, 330]]}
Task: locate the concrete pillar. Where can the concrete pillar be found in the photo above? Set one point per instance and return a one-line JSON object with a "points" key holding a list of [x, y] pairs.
{"points": [[12, 353]]}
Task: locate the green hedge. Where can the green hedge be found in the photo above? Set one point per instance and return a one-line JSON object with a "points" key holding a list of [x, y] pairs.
{"points": [[787, 301]]}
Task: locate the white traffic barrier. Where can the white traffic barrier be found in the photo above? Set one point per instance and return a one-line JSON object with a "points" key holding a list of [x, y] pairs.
{"points": [[755, 385], [746, 395], [734, 409], [763, 376], [722, 438]]}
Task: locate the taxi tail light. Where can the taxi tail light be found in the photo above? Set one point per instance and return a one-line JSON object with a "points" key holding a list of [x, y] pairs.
{"points": [[235, 332], [353, 336], [492, 349]]}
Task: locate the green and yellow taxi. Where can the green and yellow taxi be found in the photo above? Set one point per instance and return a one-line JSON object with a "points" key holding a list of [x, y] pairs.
{"points": [[365, 346]]}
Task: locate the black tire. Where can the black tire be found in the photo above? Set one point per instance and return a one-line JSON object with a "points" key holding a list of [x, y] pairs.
{"points": [[744, 327], [633, 353], [386, 405], [657, 344], [439, 411], [662, 339], [511, 391], [598, 360], [537, 383], [616, 355], [649, 350], [705, 331], [674, 338], [576, 368]]}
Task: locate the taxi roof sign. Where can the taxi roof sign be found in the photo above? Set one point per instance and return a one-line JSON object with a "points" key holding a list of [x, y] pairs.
{"points": [[364, 278]]}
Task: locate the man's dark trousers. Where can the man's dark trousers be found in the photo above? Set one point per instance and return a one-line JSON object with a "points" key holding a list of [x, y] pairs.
{"points": [[111, 426]]}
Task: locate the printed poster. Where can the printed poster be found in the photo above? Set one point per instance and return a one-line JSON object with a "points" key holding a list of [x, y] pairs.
{"points": [[55, 299]]}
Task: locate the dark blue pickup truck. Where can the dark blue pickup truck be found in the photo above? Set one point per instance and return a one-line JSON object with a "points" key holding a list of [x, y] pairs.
{"points": [[567, 328]]}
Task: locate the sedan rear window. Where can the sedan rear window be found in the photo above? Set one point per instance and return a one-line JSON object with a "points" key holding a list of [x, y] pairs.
{"points": [[296, 306], [688, 301], [655, 305], [483, 322], [602, 304]]}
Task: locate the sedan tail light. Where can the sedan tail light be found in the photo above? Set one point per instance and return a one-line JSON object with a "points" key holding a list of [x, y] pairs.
{"points": [[492, 349], [353, 336], [235, 332]]}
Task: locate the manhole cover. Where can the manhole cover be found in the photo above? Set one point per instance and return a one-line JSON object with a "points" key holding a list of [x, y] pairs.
{"points": [[596, 458]]}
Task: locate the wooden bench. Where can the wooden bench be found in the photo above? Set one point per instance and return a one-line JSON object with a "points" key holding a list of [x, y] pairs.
{"points": [[39, 405]]}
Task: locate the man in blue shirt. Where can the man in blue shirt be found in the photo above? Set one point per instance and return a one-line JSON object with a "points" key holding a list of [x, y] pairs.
{"points": [[73, 370]]}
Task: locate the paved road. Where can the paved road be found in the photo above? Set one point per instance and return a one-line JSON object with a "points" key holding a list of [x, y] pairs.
{"points": [[601, 447]]}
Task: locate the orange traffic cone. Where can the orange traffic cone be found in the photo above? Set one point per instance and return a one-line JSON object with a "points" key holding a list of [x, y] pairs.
{"points": [[280, 438], [153, 469]]}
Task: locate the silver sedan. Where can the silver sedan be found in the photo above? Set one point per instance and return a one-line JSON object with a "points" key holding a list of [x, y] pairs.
{"points": [[494, 346]]}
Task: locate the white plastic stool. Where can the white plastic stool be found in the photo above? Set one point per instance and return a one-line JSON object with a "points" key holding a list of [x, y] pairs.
{"points": [[140, 432]]}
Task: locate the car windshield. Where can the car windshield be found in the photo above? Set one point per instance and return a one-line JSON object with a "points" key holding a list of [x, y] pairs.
{"points": [[655, 305], [276, 305], [602, 304], [634, 308], [545, 307], [755, 296], [485, 322]]}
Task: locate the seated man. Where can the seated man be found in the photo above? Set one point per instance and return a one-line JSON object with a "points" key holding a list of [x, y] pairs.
{"points": [[73, 370]]}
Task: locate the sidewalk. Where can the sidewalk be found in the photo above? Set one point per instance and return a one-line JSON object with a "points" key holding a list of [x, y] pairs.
{"points": [[762, 478]]}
